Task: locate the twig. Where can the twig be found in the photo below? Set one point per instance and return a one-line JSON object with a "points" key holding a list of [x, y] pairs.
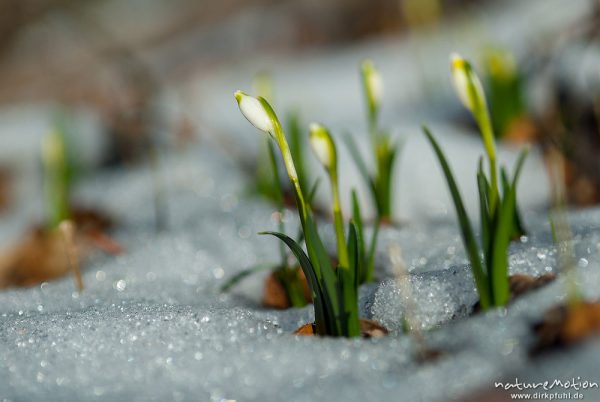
{"points": [[67, 230], [403, 283], [560, 224]]}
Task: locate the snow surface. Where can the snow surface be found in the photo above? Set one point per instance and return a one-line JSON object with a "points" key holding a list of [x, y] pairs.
{"points": [[151, 324]]}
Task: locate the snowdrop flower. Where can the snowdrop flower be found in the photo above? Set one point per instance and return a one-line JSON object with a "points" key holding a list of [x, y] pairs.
{"points": [[467, 84], [323, 146], [262, 116], [470, 91], [255, 112], [372, 83]]}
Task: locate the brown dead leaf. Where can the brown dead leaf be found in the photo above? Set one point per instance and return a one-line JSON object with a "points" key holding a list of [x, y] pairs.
{"points": [[275, 295], [43, 254], [368, 329], [566, 325]]}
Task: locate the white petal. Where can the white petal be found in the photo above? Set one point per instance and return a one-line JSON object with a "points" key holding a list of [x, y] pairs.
{"points": [[460, 80], [376, 86], [321, 144], [254, 112], [373, 82]]}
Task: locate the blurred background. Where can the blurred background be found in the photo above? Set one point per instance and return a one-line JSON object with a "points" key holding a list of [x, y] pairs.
{"points": [[134, 75]]}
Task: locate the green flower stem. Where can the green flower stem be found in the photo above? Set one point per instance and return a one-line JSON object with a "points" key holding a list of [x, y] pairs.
{"points": [[325, 150], [56, 171], [477, 104], [344, 260], [376, 139], [291, 170], [288, 162], [370, 79], [383, 181], [278, 195], [485, 126], [297, 146], [373, 130], [383, 151]]}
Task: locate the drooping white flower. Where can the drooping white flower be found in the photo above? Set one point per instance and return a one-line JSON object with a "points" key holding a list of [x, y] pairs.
{"points": [[254, 111], [470, 91], [373, 83], [467, 84], [323, 146]]}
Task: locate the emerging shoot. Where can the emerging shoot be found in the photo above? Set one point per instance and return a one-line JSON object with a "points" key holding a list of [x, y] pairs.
{"points": [[506, 94], [324, 148], [470, 92], [497, 227], [284, 275], [334, 291], [366, 253], [57, 181], [373, 88], [384, 149]]}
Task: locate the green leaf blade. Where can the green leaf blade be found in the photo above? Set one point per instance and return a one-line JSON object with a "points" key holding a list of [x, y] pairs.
{"points": [[322, 313], [469, 241], [238, 277]]}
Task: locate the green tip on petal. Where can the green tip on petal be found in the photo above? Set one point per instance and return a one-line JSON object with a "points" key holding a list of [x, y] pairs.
{"points": [[238, 96]]}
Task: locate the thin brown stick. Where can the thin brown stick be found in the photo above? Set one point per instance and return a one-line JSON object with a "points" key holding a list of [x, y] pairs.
{"points": [[561, 229], [403, 282], [67, 229]]}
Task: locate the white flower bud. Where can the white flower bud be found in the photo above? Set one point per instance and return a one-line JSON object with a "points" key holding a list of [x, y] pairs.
{"points": [[467, 84], [254, 112], [323, 146], [470, 92], [373, 83]]}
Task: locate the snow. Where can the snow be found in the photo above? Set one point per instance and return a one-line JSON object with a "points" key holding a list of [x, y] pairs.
{"points": [[151, 324]]}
